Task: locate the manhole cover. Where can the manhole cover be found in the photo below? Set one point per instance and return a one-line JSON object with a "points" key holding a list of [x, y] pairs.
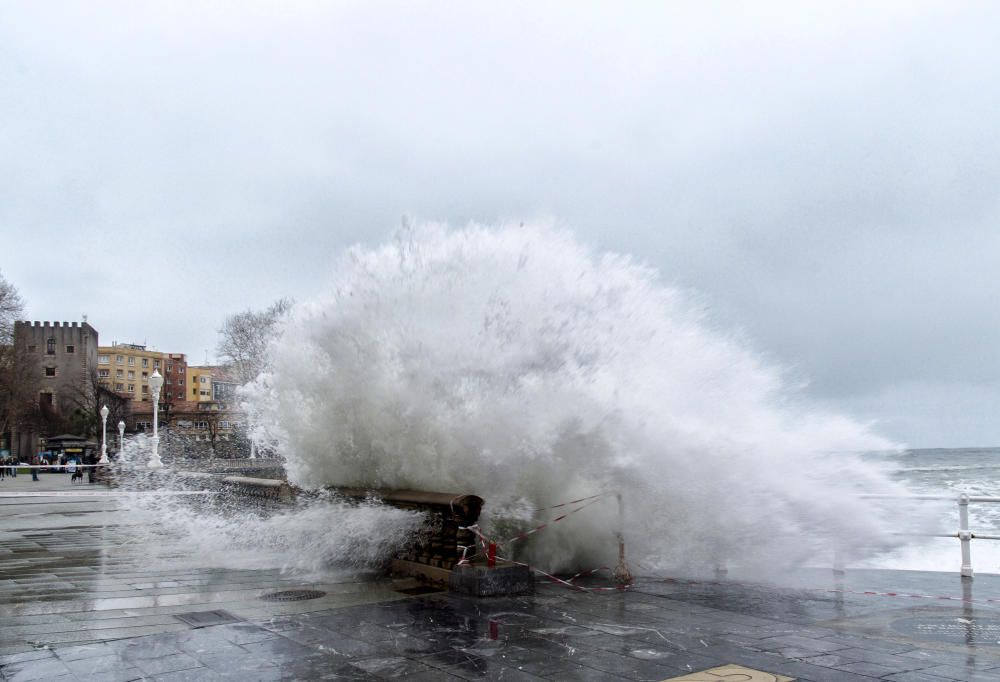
{"points": [[293, 595], [203, 619]]}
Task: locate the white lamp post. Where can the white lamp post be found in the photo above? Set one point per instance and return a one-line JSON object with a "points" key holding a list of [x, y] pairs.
{"points": [[121, 436], [104, 435], [155, 383]]}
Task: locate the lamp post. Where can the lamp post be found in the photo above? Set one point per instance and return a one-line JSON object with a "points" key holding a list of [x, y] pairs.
{"points": [[104, 436], [155, 383], [121, 437]]}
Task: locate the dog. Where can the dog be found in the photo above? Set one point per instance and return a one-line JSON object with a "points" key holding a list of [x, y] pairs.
{"points": [[78, 474]]}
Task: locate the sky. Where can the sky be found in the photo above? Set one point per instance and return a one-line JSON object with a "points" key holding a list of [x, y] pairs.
{"points": [[823, 177]]}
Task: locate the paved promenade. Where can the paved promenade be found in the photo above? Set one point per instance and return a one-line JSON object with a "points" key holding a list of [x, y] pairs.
{"points": [[80, 600]]}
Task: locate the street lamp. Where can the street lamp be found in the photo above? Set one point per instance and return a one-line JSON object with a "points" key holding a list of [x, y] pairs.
{"points": [[104, 436], [155, 383], [121, 437]]}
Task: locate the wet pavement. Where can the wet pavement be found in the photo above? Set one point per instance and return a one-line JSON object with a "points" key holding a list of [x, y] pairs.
{"points": [[79, 602]]}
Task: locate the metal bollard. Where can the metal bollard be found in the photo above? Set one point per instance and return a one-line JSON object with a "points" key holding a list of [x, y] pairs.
{"points": [[964, 535], [621, 575]]}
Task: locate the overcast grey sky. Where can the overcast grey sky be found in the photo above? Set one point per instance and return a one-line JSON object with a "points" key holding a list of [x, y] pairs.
{"points": [[826, 177]]}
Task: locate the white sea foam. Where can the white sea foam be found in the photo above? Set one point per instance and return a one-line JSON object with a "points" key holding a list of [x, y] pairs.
{"points": [[518, 364]]}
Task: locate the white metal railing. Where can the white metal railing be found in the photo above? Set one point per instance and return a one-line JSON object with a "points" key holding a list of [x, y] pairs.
{"points": [[964, 534]]}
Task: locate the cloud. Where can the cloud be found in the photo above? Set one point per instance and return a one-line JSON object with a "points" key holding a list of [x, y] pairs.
{"points": [[822, 173]]}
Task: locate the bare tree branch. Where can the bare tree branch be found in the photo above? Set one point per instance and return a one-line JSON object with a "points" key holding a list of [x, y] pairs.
{"points": [[245, 337]]}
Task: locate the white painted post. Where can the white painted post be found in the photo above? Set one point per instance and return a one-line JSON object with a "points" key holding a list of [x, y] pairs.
{"points": [[121, 437], [155, 382], [104, 435], [964, 535], [838, 561]]}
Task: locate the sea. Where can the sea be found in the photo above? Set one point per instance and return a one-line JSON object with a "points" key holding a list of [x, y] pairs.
{"points": [[947, 471]]}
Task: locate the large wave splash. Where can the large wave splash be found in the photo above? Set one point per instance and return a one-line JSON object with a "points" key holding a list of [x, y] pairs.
{"points": [[520, 365]]}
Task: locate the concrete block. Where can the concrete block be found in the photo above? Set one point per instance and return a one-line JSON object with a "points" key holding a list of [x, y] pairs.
{"points": [[503, 580]]}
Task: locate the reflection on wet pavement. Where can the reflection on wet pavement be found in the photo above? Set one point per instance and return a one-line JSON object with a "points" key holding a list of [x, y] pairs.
{"points": [[80, 601]]}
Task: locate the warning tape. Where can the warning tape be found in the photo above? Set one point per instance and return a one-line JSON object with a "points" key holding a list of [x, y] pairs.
{"points": [[569, 583], [571, 502], [486, 542], [545, 525]]}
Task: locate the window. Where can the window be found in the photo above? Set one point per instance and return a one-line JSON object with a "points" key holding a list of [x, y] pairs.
{"points": [[145, 389], [145, 362], [145, 375], [180, 381], [142, 426], [223, 425], [50, 371], [194, 391], [32, 348], [201, 425], [205, 392], [131, 388], [119, 387], [156, 364], [131, 361], [170, 368], [50, 347], [119, 359], [203, 379], [104, 373], [131, 375], [103, 360], [70, 349], [119, 374]]}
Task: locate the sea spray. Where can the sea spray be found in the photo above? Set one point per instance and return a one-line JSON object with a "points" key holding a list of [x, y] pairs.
{"points": [[520, 365], [177, 515]]}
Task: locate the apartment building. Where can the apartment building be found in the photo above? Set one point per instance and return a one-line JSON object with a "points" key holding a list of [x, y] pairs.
{"points": [[209, 383], [125, 368]]}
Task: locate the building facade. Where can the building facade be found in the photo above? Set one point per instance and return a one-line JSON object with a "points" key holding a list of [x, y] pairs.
{"points": [[125, 368], [64, 356], [209, 383]]}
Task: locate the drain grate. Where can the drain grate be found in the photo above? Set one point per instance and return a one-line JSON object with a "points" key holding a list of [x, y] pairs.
{"points": [[293, 595], [204, 619]]}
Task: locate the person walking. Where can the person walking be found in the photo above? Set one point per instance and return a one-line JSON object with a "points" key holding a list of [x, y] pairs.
{"points": [[35, 461], [3, 468]]}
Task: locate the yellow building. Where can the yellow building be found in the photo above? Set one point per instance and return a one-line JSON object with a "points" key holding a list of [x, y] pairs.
{"points": [[208, 383], [125, 368]]}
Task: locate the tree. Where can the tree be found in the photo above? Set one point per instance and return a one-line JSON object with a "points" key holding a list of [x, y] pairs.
{"points": [[244, 339], [18, 371], [11, 310], [81, 405]]}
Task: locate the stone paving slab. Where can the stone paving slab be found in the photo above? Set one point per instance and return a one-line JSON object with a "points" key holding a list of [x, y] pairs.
{"points": [[80, 602]]}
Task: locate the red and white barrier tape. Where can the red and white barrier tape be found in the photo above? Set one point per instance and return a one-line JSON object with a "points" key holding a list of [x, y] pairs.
{"points": [[488, 545], [545, 525], [571, 502]]}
